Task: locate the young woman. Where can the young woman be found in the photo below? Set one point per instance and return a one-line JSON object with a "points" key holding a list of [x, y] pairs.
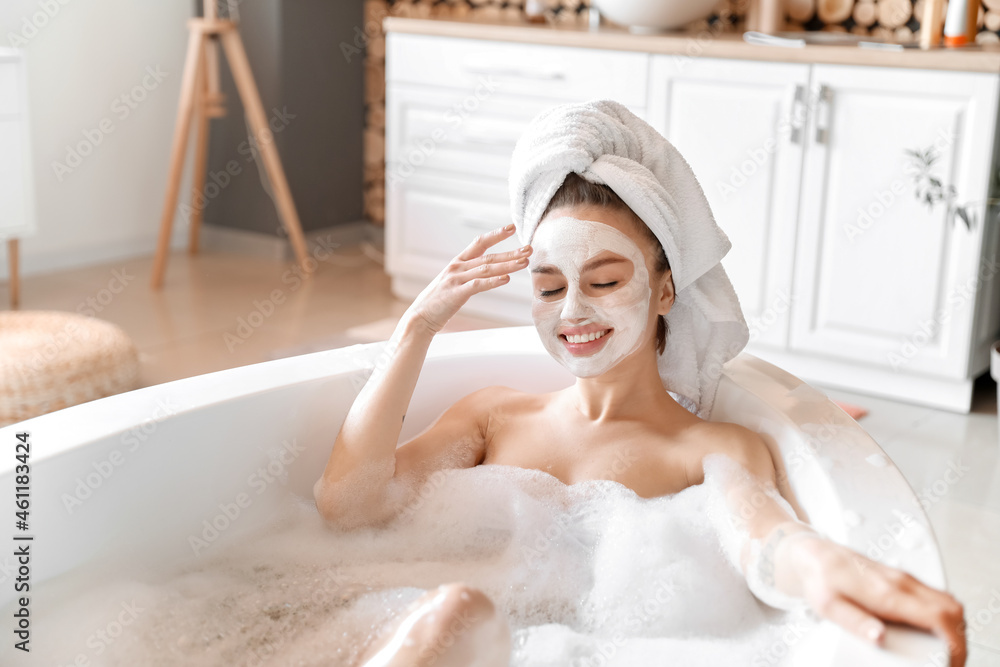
{"points": [[601, 285]]}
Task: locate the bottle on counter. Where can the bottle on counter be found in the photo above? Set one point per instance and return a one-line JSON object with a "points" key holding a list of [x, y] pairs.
{"points": [[960, 22], [534, 11]]}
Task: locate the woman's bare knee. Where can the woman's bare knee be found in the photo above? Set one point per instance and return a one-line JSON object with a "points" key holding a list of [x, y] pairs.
{"points": [[452, 625]]}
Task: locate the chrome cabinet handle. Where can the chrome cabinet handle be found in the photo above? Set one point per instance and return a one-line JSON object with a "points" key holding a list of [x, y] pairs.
{"points": [[798, 105], [553, 75], [492, 140], [823, 100]]}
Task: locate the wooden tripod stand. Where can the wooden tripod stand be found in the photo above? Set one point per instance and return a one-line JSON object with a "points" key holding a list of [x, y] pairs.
{"points": [[200, 96]]}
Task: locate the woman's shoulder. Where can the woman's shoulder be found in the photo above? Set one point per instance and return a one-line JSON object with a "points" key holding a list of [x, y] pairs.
{"points": [[739, 443], [501, 396]]}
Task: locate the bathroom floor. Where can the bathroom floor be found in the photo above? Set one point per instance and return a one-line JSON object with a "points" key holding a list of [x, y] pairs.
{"points": [[219, 311]]}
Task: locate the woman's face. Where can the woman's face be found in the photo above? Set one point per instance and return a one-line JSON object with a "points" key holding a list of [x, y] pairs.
{"points": [[591, 289]]}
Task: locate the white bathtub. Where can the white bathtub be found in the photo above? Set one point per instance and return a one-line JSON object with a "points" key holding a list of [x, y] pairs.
{"points": [[136, 475]]}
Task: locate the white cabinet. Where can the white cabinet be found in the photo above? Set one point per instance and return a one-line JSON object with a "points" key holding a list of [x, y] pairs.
{"points": [[883, 278], [454, 110], [17, 212], [739, 124], [844, 276]]}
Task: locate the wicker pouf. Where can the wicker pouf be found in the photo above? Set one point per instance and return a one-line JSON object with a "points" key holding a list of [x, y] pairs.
{"points": [[51, 360]]}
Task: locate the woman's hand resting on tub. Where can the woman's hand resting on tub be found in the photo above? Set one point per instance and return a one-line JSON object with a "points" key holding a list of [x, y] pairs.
{"points": [[788, 564], [855, 592], [470, 272]]}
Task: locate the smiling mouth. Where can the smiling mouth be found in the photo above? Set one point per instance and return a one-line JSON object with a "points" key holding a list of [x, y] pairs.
{"points": [[585, 343]]}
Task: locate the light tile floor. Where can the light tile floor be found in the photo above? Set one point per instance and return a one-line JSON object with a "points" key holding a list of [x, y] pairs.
{"points": [[219, 311]]}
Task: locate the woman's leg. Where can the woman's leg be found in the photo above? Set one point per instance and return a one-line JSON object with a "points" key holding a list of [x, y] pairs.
{"points": [[454, 625]]}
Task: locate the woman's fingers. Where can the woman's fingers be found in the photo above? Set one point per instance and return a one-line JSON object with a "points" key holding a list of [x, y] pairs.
{"points": [[484, 241], [490, 274], [918, 605], [483, 284], [849, 616], [470, 272], [894, 595], [495, 257], [487, 269]]}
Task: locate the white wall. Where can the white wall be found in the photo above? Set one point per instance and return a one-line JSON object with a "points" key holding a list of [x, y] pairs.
{"points": [[83, 58]]}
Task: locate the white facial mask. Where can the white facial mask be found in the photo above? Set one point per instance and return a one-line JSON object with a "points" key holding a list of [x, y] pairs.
{"points": [[568, 244]]}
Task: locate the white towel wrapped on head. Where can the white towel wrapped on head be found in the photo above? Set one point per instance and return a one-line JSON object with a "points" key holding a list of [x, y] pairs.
{"points": [[606, 143]]}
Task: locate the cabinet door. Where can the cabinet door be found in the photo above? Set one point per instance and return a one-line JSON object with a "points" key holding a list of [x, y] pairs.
{"points": [[739, 125], [433, 219], [17, 214], [882, 277], [432, 130], [486, 67]]}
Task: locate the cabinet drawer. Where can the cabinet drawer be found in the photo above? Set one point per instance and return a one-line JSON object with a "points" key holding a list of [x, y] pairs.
{"points": [[425, 131], [510, 68], [431, 220], [10, 100]]}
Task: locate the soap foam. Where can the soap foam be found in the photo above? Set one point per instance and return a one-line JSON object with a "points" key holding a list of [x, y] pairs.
{"points": [[588, 574]]}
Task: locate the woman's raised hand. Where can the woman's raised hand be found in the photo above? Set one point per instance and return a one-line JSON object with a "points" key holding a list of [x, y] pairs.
{"points": [[469, 273], [855, 592]]}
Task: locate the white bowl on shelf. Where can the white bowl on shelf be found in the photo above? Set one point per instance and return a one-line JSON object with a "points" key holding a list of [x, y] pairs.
{"points": [[654, 15]]}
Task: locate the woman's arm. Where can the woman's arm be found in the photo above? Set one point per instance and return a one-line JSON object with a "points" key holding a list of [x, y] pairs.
{"points": [[355, 485], [787, 563]]}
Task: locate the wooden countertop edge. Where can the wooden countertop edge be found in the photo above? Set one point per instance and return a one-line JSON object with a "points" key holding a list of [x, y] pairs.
{"points": [[980, 58]]}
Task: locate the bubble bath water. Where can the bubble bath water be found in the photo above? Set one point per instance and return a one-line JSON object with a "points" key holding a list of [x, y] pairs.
{"points": [[587, 575]]}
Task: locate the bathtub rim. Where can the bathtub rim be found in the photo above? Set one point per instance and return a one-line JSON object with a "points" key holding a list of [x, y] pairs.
{"points": [[104, 418]]}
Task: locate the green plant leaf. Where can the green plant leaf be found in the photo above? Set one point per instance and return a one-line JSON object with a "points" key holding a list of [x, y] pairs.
{"points": [[964, 216]]}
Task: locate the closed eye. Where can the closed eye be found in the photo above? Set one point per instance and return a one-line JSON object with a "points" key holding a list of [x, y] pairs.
{"points": [[550, 292]]}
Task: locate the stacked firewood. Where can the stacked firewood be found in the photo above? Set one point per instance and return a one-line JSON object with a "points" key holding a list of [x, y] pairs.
{"points": [[885, 20], [888, 20]]}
